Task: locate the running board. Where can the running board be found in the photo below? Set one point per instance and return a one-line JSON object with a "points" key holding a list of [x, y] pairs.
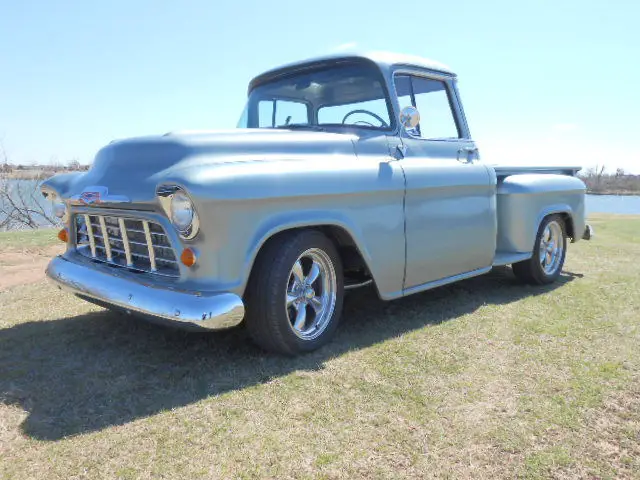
{"points": [[445, 281]]}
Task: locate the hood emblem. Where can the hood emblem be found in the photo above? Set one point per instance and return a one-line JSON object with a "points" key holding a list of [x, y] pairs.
{"points": [[89, 198], [97, 195]]}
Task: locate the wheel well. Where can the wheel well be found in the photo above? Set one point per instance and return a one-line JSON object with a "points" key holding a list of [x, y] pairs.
{"points": [[352, 259], [568, 224], [353, 263]]}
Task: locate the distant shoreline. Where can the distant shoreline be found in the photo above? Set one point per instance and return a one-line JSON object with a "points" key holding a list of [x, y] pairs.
{"points": [[34, 174], [617, 193]]}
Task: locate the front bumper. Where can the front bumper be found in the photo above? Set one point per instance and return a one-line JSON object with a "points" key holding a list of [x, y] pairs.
{"points": [[202, 310]]}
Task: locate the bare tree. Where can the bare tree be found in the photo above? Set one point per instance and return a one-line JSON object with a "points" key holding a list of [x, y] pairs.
{"points": [[618, 183], [21, 203], [74, 165]]}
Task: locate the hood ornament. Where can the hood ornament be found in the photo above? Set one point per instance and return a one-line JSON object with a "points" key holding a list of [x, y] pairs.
{"points": [[97, 195]]}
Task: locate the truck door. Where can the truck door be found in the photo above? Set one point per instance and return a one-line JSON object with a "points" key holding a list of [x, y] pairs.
{"points": [[450, 204]]}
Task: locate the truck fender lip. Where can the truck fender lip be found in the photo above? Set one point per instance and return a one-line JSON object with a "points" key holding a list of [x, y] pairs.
{"points": [[589, 232], [209, 311]]}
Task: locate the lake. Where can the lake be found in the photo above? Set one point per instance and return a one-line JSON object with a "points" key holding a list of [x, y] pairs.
{"points": [[629, 204]]}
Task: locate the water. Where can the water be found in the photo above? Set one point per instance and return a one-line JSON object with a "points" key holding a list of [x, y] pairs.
{"points": [[627, 204], [24, 193]]}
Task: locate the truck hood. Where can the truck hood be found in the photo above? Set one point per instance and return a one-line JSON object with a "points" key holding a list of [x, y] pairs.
{"points": [[134, 167]]}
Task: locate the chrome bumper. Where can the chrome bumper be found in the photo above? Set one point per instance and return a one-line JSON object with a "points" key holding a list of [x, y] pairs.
{"points": [[208, 311]]}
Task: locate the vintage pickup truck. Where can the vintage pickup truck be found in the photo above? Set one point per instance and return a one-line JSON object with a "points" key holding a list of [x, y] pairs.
{"points": [[344, 171]]}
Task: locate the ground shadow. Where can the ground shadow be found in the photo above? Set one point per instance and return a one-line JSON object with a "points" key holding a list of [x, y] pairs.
{"points": [[85, 373]]}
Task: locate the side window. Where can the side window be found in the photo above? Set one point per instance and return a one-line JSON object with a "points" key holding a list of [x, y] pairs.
{"points": [[431, 98], [404, 90], [277, 113], [265, 113]]}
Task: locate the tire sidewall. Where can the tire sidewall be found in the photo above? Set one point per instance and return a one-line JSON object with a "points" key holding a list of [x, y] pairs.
{"points": [[291, 252], [539, 272]]}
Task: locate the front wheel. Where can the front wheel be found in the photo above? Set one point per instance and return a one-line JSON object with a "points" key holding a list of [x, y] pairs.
{"points": [[549, 253], [294, 296]]}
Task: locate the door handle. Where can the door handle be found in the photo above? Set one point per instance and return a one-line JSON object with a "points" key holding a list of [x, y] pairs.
{"points": [[468, 153]]}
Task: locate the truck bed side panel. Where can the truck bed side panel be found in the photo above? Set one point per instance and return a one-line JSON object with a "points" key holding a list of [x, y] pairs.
{"points": [[524, 200]]}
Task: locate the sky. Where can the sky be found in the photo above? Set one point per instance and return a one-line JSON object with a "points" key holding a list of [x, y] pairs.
{"points": [[541, 82]]}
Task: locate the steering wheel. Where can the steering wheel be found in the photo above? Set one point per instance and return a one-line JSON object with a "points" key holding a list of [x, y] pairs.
{"points": [[366, 112]]}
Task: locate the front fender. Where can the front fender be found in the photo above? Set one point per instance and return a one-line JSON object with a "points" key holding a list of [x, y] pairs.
{"points": [[243, 204], [295, 220]]}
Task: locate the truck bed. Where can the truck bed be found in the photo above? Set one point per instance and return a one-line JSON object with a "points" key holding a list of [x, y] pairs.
{"points": [[506, 170]]}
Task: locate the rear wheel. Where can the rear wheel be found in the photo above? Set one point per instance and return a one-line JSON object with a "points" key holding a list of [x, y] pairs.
{"points": [[294, 297], [549, 253]]}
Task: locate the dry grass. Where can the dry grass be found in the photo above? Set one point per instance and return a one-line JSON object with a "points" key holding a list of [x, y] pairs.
{"points": [[481, 379], [28, 239]]}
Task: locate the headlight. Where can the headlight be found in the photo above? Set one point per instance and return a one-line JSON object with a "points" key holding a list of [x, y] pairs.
{"points": [[181, 211]]}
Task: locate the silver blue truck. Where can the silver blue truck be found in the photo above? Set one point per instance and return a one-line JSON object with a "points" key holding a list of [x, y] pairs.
{"points": [[343, 171]]}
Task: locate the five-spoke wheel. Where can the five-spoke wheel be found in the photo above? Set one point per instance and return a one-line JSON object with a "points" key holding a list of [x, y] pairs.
{"points": [[311, 293], [551, 247]]}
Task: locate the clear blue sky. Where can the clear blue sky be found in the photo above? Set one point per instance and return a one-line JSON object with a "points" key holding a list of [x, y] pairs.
{"points": [[541, 81]]}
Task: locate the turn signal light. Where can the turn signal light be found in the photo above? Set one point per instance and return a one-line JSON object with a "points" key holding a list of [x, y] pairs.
{"points": [[188, 257], [63, 235]]}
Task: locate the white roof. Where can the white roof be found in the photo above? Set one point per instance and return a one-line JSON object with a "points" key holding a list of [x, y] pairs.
{"points": [[385, 60], [390, 58]]}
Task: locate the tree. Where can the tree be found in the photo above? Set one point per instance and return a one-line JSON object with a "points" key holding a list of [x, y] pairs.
{"points": [[21, 203], [74, 164]]}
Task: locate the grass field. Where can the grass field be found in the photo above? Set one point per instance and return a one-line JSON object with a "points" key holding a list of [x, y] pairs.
{"points": [[481, 379]]}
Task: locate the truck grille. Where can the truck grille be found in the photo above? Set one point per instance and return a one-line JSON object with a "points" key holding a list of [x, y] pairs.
{"points": [[140, 245]]}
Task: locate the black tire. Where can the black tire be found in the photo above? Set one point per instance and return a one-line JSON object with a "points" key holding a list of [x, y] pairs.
{"points": [[532, 271], [267, 316]]}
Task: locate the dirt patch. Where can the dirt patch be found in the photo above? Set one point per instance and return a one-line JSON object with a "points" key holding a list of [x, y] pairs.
{"points": [[20, 267]]}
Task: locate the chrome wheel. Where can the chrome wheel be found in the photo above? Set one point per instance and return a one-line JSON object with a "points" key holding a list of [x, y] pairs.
{"points": [[311, 294], [551, 248]]}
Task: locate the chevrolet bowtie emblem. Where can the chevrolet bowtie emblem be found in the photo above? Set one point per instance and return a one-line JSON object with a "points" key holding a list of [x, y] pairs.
{"points": [[97, 195], [89, 198]]}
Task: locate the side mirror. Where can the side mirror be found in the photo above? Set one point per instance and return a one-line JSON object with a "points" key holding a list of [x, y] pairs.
{"points": [[409, 117]]}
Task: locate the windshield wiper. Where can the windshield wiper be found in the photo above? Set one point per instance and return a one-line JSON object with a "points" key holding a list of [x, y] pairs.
{"points": [[301, 126]]}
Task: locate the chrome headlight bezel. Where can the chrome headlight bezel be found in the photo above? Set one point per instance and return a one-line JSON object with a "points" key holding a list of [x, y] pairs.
{"points": [[59, 207], [170, 196]]}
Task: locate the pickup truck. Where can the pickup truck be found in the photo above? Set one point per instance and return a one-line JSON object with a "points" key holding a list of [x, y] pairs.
{"points": [[344, 171]]}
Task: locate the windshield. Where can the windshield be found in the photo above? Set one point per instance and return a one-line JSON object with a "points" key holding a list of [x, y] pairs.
{"points": [[341, 95]]}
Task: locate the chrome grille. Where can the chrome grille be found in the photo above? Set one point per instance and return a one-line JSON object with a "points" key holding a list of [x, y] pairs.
{"points": [[136, 244]]}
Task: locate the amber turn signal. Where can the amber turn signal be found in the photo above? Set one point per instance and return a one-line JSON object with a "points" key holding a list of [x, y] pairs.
{"points": [[63, 235], [188, 257]]}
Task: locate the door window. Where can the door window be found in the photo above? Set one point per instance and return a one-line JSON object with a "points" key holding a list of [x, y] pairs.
{"points": [[431, 98]]}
